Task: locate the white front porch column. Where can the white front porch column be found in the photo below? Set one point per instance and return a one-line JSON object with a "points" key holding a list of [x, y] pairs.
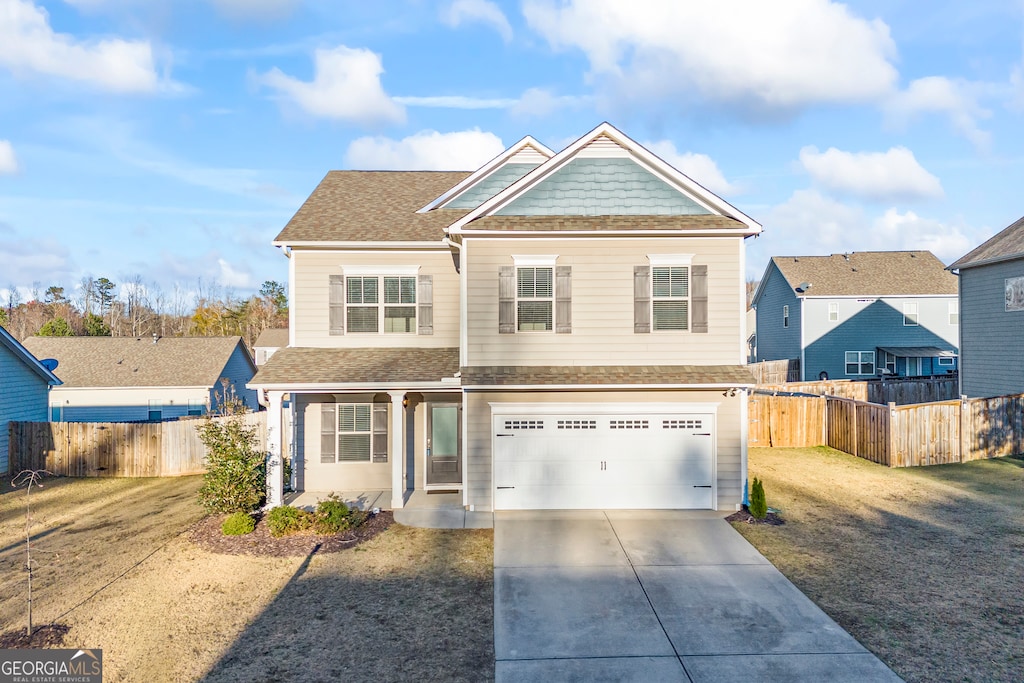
{"points": [[275, 447], [397, 453]]}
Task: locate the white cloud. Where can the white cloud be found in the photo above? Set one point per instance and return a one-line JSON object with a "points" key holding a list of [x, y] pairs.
{"points": [[8, 162], [759, 56], [541, 102], [700, 167], [232, 277], [480, 11], [890, 175], [455, 102], [29, 46], [27, 259], [255, 10], [346, 86], [895, 230], [957, 99], [427, 150]]}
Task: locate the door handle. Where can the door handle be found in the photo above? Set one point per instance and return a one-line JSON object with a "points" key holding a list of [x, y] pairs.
{"points": [[504, 434], [706, 486], [502, 488]]}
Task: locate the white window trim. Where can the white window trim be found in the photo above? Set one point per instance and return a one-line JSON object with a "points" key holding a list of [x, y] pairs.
{"points": [[860, 362], [338, 434], [533, 261], [672, 261], [528, 262], [380, 305], [380, 270], [907, 305], [833, 309], [785, 315], [953, 308]]}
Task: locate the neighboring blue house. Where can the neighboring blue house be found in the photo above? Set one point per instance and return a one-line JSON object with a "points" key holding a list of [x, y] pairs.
{"points": [[859, 315], [992, 320], [24, 386], [133, 379]]}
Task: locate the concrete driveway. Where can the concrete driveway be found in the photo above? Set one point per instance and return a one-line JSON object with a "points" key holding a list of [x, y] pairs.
{"points": [[655, 596]]}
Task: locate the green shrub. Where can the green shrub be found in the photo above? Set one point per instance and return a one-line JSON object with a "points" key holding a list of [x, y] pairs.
{"points": [[758, 503], [238, 524], [286, 520], [235, 478], [332, 515]]}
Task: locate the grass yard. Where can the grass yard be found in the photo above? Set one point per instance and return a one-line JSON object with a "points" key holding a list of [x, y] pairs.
{"points": [[116, 567], [924, 566]]}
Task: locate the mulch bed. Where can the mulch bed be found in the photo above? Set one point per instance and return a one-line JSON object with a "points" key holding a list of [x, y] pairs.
{"points": [[47, 635], [744, 515], [206, 534]]}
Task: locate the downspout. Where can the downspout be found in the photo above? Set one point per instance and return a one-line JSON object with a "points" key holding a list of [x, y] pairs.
{"points": [[463, 353], [803, 348], [291, 295]]}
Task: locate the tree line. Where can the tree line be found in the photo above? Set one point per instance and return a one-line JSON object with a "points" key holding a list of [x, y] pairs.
{"points": [[100, 307]]}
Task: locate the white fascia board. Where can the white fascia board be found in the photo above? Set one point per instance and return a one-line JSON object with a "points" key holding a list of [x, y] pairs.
{"points": [[321, 388], [601, 387], [8, 340], [486, 170], [204, 387], [597, 234], [878, 296], [502, 408], [652, 162], [763, 280], [363, 246]]}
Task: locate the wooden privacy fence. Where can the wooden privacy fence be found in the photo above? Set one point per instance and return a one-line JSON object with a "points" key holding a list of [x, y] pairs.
{"points": [[116, 449], [896, 436], [775, 371], [882, 391]]}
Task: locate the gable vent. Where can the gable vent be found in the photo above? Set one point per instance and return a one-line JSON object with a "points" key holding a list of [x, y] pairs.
{"points": [[602, 147], [527, 155]]}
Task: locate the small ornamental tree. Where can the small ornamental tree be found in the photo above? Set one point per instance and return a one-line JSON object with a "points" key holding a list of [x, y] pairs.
{"points": [[758, 504], [235, 467]]}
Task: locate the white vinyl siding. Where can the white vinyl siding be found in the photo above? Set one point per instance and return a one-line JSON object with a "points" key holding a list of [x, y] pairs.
{"points": [[670, 297], [833, 312], [311, 308], [910, 318], [603, 327], [860, 362], [535, 299]]}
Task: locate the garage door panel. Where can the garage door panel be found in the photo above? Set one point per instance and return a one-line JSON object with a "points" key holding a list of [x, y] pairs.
{"points": [[579, 461]]}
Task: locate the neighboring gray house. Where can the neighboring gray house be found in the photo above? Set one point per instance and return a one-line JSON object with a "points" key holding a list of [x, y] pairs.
{"points": [[992, 315], [132, 379], [269, 341], [859, 315], [24, 385]]}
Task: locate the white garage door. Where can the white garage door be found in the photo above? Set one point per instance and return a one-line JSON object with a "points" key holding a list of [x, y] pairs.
{"points": [[594, 461]]}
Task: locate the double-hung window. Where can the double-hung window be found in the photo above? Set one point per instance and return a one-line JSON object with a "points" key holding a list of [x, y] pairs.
{"points": [[860, 362], [910, 314], [354, 432], [535, 298], [785, 316], [954, 312], [380, 302], [833, 312], [670, 297]]}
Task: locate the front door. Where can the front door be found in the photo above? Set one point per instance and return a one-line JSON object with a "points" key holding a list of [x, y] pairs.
{"points": [[444, 441]]}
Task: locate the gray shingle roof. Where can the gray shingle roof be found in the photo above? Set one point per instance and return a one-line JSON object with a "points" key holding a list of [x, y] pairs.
{"points": [[374, 206], [1005, 244], [272, 337], [606, 374], [604, 223], [357, 366], [869, 273], [136, 362]]}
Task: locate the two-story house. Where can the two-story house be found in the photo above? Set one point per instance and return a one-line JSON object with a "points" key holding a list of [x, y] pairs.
{"points": [[550, 331], [992, 315], [859, 315]]}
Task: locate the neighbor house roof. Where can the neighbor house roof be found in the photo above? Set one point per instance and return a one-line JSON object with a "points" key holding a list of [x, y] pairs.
{"points": [[1004, 245], [868, 273], [607, 375], [118, 362], [301, 365], [374, 206], [604, 223], [272, 337], [27, 357]]}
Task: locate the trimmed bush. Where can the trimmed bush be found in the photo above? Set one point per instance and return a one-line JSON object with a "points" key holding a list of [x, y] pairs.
{"points": [[332, 515], [758, 503], [235, 469], [238, 524], [286, 520]]}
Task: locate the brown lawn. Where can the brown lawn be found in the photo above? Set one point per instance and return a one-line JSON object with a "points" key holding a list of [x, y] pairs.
{"points": [[924, 566], [116, 566]]}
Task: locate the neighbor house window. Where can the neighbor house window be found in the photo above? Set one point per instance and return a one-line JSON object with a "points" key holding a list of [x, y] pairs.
{"points": [[910, 314], [670, 297], [196, 407], [945, 360], [890, 363], [860, 362], [380, 303], [954, 313], [833, 312], [535, 298], [155, 411], [56, 413], [785, 316]]}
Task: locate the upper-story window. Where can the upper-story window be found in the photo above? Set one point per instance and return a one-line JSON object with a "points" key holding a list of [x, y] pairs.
{"points": [[670, 297], [535, 298], [910, 314], [375, 303], [954, 312], [833, 312], [785, 316]]}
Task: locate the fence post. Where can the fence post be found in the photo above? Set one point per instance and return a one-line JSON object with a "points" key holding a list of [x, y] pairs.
{"points": [[890, 421], [964, 417]]}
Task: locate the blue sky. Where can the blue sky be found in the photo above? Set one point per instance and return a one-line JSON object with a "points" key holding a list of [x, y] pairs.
{"points": [[173, 140]]}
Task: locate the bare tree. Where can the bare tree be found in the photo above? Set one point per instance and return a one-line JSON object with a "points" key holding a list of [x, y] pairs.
{"points": [[28, 479]]}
